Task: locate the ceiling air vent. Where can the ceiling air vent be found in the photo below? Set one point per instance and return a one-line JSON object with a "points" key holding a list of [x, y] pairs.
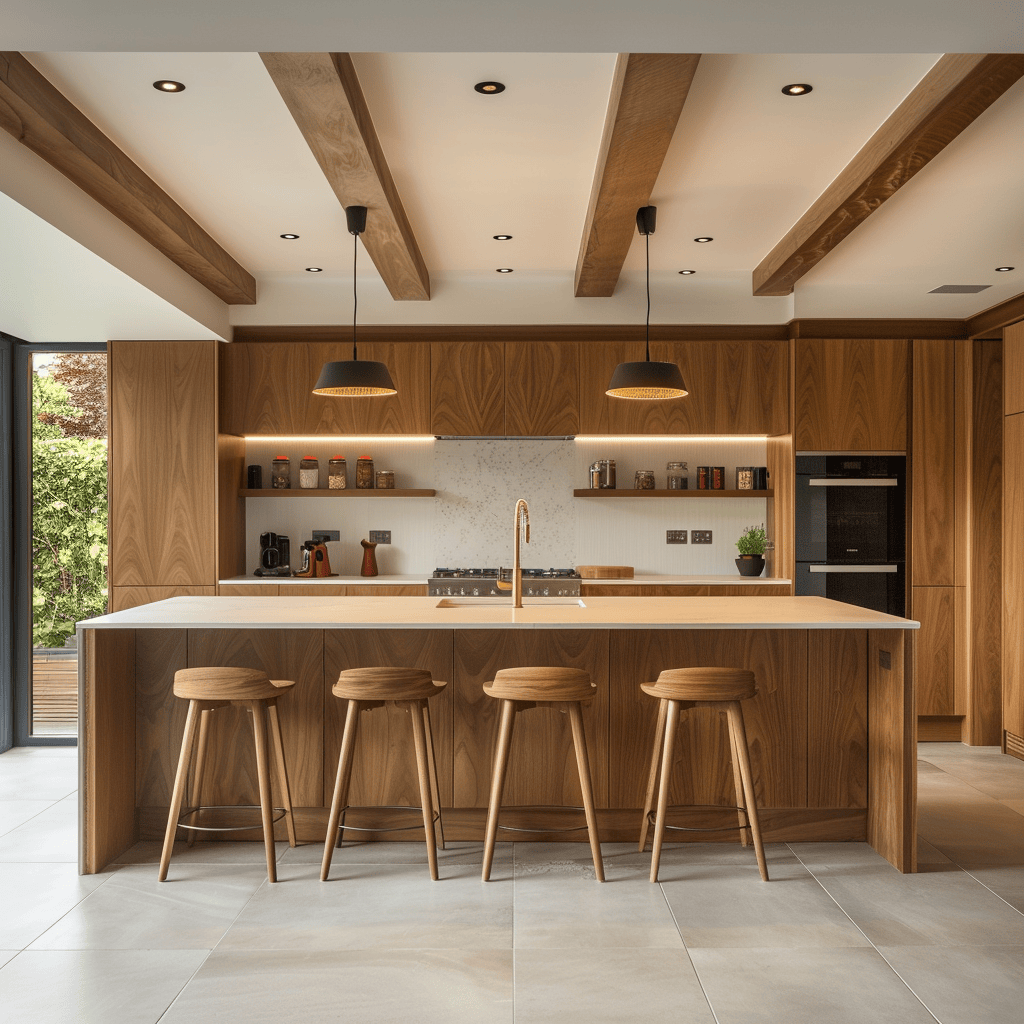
{"points": [[959, 289]]}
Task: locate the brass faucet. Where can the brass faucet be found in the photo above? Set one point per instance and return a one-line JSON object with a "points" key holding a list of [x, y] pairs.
{"points": [[522, 514]]}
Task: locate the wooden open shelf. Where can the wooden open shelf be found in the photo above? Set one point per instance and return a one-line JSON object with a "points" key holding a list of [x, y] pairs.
{"points": [[324, 492], [630, 493]]}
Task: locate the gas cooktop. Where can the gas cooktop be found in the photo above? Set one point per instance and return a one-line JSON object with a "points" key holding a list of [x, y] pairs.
{"points": [[483, 583]]}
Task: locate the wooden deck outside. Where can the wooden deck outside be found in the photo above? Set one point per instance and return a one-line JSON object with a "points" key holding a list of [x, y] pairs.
{"points": [[54, 691]]}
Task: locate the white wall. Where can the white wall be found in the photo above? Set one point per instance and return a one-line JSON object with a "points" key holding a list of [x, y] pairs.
{"points": [[469, 522]]}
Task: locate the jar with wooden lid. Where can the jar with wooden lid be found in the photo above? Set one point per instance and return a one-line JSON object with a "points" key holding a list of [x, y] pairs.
{"points": [[385, 480], [364, 473], [337, 474], [309, 473], [281, 473]]}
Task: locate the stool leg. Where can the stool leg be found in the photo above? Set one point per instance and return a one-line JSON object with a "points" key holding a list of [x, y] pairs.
{"points": [[579, 739], [508, 714], [348, 741], [178, 793], [423, 771], [435, 788], [737, 781], [197, 771], [736, 724], [259, 725], [282, 770], [671, 722], [652, 776]]}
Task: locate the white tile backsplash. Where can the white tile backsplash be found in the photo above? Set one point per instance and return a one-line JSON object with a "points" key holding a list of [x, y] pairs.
{"points": [[469, 522]]}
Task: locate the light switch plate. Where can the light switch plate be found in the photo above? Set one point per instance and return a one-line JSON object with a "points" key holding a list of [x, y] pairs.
{"points": [[700, 536], [380, 536], [325, 535], [675, 536]]}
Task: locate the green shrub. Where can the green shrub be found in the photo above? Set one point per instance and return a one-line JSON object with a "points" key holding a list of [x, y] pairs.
{"points": [[753, 540]]}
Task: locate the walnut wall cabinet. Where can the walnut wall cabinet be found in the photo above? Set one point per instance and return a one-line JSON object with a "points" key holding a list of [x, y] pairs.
{"points": [[1013, 542]]}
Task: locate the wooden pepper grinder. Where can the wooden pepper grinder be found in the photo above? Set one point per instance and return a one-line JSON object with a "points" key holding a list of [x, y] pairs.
{"points": [[369, 559]]}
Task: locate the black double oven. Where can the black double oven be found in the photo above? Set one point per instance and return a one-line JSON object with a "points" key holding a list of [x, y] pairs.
{"points": [[851, 529]]}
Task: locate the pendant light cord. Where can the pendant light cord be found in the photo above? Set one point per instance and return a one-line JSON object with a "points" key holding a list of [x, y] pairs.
{"points": [[355, 294], [647, 239]]}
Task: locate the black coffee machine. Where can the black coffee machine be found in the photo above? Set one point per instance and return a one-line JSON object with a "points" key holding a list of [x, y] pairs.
{"points": [[275, 555]]}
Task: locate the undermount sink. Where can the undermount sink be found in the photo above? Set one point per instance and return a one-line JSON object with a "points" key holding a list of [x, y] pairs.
{"points": [[505, 602]]}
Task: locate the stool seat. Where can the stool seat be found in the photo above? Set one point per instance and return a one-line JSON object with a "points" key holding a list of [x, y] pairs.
{"points": [[227, 684], [541, 684], [386, 684], [699, 684]]}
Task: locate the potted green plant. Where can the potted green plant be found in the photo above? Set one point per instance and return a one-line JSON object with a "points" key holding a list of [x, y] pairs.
{"points": [[752, 543]]}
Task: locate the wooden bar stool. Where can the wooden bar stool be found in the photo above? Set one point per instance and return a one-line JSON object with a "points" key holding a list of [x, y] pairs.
{"points": [[368, 688], [519, 689], [678, 690], [207, 689]]}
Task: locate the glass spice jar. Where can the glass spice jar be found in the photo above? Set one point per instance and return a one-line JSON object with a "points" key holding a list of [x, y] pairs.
{"points": [[309, 473], [678, 476], [644, 480], [281, 473], [364, 473], [385, 480], [337, 475]]}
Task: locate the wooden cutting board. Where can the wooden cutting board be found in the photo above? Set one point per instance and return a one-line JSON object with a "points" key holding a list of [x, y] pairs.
{"points": [[605, 572]]}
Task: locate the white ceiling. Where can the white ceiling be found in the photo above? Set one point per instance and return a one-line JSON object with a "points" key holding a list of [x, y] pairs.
{"points": [[744, 164]]}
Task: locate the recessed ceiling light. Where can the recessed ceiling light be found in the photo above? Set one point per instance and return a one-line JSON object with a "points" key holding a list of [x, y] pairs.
{"points": [[686, 273], [289, 236], [1003, 270], [704, 238], [315, 270], [504, 270], [166, 85], [489, 88], [502, 238], [797, 89]]}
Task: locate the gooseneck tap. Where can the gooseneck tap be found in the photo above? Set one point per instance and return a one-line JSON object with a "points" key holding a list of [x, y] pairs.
{"points": [[522, 515]]}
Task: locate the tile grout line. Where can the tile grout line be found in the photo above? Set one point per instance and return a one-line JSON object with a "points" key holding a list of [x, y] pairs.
{"points": [[686, 950]]}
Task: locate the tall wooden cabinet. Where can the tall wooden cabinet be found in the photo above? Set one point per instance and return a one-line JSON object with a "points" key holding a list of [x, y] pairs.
{"points": [[1013, 542]]}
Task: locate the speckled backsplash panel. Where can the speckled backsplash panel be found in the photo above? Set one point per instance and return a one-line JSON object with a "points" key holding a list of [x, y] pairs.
{"points": [[469, 522]]}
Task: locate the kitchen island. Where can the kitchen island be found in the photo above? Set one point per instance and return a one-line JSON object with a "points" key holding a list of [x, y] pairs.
{"points": [[831, 731]]}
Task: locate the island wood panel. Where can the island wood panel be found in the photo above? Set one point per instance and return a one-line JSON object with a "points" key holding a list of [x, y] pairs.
{"points": [[542, 388], [384, 762], [159, 717], [736, 387], [935, 649], [267, 388], [312, 590], [780, 558], [837, 718], [107, 731], [122, 598], [386, 590], [850, 395], [248, 590], [467, 388], [776, 719], [230, 505], [933, 466], [892, 765], [163, 463], [230, 773], [542, 767], [1013, 369], [1013, 583]]}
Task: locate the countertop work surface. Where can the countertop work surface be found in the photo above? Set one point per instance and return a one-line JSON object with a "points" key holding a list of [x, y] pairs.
{"points": [[497, 613], [415, 579], [422, 579]]}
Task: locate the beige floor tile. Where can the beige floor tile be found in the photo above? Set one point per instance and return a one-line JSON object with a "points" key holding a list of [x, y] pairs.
{"points": [[35, 778], [135, 911], [70, 752], [8, 954], [377, 906], [14, 813], [94, 986], [966, 984], [1005, 880], [202, 853], [428, 986], [50, 836], [805, 986], [607, 986], [396, 853]]}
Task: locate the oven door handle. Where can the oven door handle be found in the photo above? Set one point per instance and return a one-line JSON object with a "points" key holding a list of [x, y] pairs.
{"points": [[853, 568], [853, 481]]}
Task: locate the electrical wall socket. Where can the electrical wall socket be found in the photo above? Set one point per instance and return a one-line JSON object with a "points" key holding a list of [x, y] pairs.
{"points": [[380, 536], [700, 536], [675, 536], [325, 535]]}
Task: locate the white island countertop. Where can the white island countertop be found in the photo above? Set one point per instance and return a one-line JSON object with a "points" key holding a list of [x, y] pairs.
{"points": [[423, 578], [497, 613]]}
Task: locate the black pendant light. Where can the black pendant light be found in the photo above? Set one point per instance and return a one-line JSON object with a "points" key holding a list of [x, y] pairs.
{"points": [[647, 380], [352, 378]]}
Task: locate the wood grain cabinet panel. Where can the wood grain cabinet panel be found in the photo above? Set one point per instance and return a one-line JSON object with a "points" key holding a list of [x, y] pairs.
{"points": [[1013, 369], [163, 463], [935, 649], [542, 388], [736, 387], [1013, 575], [851, 395], [467, 388], [267, 388], [122, 598]]}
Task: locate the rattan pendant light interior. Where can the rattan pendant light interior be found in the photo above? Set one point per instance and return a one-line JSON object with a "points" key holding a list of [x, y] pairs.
{"points": [[355, 377], [647, 380]]}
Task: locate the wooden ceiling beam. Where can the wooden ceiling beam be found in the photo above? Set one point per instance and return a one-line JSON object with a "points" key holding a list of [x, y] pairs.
{"points": [[322, 92], [38, 115], [647, 97], [958, 88]]}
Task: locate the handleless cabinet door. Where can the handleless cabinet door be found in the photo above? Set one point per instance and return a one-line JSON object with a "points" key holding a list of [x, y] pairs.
{"points": [[467, 388], [542, 388]]}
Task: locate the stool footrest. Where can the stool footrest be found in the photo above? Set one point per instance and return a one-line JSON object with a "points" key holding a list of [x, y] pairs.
{"points": [[342, 827], [559, 807], [652, 817], [227, 807]]}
